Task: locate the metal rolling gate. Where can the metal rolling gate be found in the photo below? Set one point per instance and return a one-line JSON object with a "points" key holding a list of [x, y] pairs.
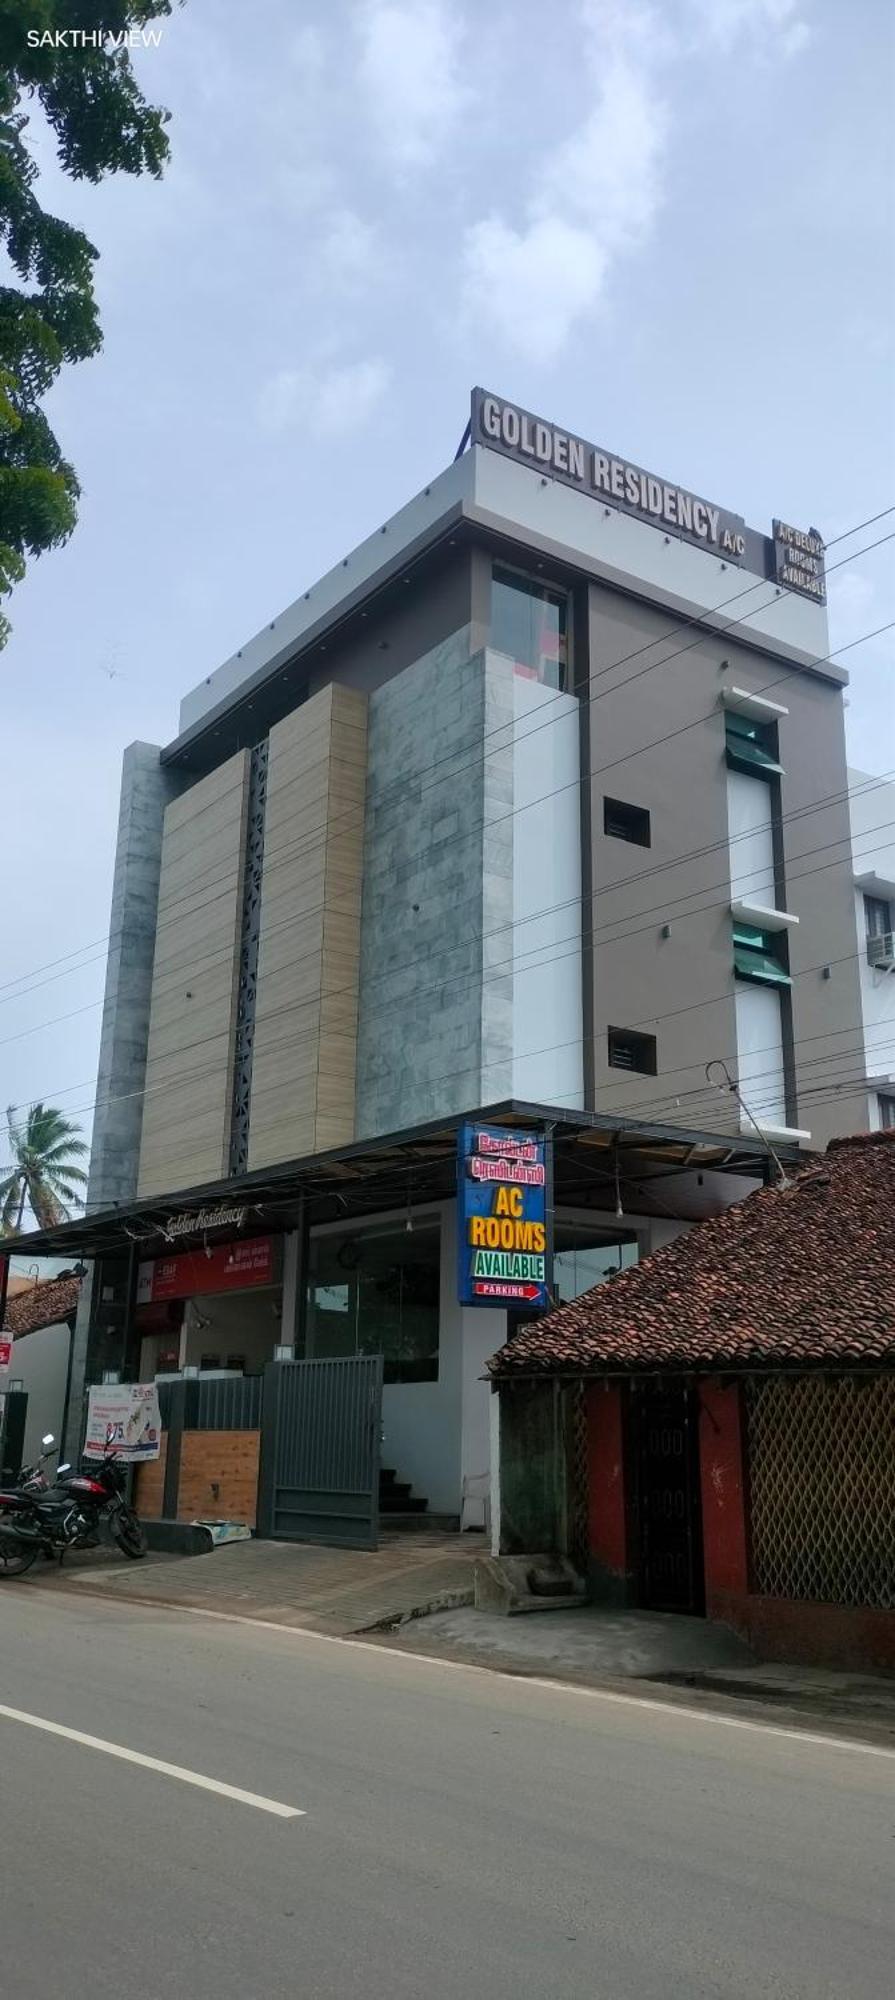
{"points": [[321, 1428]]}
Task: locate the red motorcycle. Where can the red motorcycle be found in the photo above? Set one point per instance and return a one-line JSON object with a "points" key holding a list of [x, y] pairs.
{"points": [[77, 1512]]}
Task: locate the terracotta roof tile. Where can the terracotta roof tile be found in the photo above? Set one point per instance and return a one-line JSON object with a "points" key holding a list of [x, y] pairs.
{"points": [[790, 1275], [45, 1304]]}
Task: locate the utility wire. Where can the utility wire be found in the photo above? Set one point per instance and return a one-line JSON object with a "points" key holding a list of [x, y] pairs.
{"points": [[517, 735]]}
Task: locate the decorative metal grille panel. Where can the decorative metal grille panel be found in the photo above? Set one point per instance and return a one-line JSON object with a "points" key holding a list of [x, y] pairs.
{"points": [[576, 1459], [248, 961], [822, 1488]]}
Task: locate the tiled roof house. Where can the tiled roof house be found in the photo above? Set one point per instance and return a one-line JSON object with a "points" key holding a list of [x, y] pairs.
{"points": [[798, 1275], [713, 1430]]}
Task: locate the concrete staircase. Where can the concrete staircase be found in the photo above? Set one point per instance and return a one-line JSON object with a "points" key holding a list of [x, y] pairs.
{"points": [[401, 1510]]}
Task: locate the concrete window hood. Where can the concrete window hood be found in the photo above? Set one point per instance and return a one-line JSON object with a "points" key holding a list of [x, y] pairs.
{"points": [[872, 884], [746, 912], [756, 705], [779, 1135]]}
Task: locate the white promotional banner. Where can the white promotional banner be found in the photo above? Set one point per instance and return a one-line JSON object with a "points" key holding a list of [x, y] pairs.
{"points": [[125, 1418]]}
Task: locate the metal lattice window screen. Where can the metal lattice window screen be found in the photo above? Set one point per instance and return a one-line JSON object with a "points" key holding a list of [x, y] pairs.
{"points": [[822, 1488], [576, 1463]]}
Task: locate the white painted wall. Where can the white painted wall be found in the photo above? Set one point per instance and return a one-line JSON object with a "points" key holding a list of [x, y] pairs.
{"points": [[548, 1049], [760, 1069], [872, 812], [750, 834]]}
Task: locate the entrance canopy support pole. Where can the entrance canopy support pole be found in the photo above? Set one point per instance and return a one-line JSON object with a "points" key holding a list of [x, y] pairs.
{"points": [[295, 1282]]}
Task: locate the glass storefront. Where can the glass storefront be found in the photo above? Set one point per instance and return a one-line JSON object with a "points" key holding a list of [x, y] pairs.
{"points": [[584, 1257], [375, 1291]]}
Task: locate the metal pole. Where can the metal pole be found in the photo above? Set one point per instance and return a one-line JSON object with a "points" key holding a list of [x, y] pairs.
{"points": [[548, 1206]]}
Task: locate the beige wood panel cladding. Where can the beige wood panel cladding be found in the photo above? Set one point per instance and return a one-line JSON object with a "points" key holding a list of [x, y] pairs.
{"points": [[189, 1068], [304, 1062]]}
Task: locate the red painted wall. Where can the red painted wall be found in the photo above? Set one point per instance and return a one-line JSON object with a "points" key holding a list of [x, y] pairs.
{"points": [[722, 1478], [779, 1628], [822, 1635], [607, 1526]]}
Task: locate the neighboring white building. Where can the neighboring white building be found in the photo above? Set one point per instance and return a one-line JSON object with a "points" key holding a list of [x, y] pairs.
{"points": [[872, 810]]}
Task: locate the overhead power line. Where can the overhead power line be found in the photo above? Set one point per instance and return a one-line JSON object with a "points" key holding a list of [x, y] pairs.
{"points": [[586, 700]]}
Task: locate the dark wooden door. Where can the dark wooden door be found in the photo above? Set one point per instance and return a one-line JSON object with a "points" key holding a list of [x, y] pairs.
{"points": [[671, 1570]]}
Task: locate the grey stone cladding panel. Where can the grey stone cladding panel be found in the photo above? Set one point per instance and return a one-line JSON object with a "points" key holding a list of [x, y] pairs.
{"points": [[434, 883], [146, 789]]}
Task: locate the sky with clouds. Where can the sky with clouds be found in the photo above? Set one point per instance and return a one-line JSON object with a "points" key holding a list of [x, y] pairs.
{"points": [[667, 227]]}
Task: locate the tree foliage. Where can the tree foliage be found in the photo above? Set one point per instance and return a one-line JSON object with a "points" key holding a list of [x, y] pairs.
{"points": [[44, 1174], [102, 125]]}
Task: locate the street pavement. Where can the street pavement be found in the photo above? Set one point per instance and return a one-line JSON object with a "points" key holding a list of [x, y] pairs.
{"points": [[461, 1833], [295, 1583]]}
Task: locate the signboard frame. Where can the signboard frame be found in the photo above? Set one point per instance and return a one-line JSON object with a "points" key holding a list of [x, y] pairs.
{"points": [[504, 1246], [131, 1411]]}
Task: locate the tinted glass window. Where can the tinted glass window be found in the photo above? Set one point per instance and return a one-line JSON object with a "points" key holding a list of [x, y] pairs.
{"points": [[583, 1258], [376, 1291], [530, 623]]}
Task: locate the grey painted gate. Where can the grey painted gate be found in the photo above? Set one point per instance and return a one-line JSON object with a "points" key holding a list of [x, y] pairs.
{"points": [[320, 1434]]}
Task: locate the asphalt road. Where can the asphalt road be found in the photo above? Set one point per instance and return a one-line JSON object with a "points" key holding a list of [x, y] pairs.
{"points": [[463, 1834]]}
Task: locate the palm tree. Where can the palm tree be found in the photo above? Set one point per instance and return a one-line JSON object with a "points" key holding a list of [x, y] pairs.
{"points": [[44, 1150]]}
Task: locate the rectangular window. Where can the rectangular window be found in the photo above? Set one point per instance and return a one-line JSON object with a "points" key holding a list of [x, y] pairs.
{"points": [[584, 1257], [624, 822], [760, 955], [877, 916], [530, 623], [376, 1291], [751, 746], [886, 1108], [629, 1050]]}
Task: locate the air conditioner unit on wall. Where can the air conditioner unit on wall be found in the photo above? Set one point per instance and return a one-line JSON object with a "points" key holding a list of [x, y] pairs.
{"points": [[881, 952]]}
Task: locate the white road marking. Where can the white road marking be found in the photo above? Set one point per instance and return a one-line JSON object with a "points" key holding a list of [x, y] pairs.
{"points": [[154, 1764], [666, 1708]]}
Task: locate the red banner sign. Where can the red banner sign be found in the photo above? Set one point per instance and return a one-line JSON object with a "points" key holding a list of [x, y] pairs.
{"points": [[227, 1267]]}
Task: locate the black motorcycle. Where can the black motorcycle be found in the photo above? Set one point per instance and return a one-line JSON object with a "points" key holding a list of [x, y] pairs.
{"points": [[78, 1511]]}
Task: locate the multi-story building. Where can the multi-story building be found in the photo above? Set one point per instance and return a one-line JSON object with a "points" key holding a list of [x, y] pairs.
{"points": [[537, 800], [872, 803]]}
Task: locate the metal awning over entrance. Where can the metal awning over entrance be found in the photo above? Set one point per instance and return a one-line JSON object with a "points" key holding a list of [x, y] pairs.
{"points": [[598, 1159]]}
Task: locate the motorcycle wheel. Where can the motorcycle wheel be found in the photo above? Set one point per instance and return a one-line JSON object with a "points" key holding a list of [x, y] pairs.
{"points": [[129, 1534], [14, 1559]]}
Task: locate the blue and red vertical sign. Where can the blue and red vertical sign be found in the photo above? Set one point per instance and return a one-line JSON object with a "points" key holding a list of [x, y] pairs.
{"points": [[502, 1217]]}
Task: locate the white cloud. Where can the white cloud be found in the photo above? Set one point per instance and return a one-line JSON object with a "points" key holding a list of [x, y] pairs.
{"points": [[851, 599], [778, 26], [530, 285], [350, 254], [410, 75], [327, 401], [594, 197]]}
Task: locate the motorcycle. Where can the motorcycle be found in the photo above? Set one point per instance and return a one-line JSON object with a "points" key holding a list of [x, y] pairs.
{"points": [[37, 1518]]}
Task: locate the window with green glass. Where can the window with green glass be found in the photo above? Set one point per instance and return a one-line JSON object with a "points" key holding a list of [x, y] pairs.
{"points": [[759, 954], [751, 746]]}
